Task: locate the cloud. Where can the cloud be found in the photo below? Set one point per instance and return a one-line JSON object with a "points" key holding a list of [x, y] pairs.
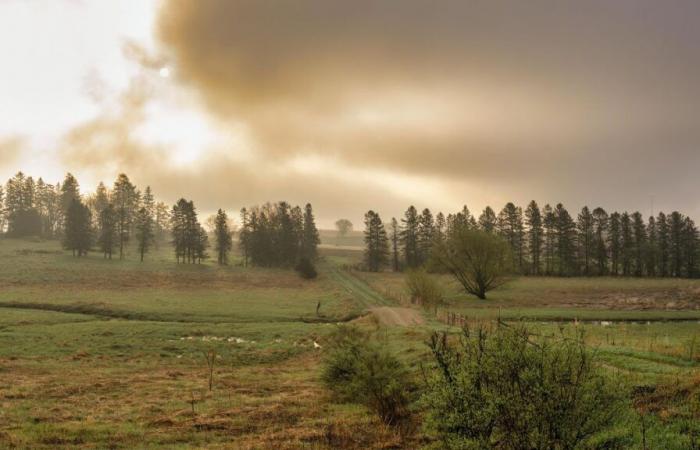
{"points": [[10, 149], [590, 102]]}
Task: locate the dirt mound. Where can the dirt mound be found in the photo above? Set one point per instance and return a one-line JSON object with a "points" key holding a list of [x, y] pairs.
{"points": [[398, 316]]}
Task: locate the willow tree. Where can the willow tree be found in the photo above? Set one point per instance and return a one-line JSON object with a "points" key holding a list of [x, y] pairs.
{"points": [[479, 260]]}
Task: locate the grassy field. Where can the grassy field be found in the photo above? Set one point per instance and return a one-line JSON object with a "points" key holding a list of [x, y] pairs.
{"points": [[111, 354]]}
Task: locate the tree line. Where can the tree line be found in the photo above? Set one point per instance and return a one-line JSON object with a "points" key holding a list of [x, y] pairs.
{"points": [[112, 220], [278, 235], [546, 241]]}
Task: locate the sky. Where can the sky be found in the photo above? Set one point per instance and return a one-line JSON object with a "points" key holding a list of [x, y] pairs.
{"points": [[357, 105]]}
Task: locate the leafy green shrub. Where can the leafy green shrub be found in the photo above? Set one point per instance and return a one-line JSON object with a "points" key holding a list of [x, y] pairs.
{"points": [[423, 288], [306, 269], [501, 389], [357, 369]]}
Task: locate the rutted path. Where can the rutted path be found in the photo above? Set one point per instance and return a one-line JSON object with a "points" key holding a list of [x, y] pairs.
{"points": [[363, 293], [384, 309]]}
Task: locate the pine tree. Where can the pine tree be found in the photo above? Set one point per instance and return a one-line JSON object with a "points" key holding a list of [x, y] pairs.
{"points": [[550, 235], [600, 248], [652, 249], [639, 237], [487, 220], [615, 245], [107, 240], [201, 244], [285, 237], [409, 237], [425, 235], [186, 232], [626, 234], [675, 226], [70, 190], [440, 227], [244, 236], [222, 234], [585, 239], [376, 242], [310, 237], [535, 233], [509, 224], [148, 202], [144, 231], [395, 236], [565, 240], [125, 200], [690, 248], [664, 244], [162, 219], [77, 233]]}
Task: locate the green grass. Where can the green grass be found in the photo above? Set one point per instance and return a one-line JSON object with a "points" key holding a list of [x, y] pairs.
{"points": [[97, 353]]}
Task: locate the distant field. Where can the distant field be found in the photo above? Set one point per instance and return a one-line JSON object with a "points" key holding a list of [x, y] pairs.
{"points": [[110, 354], [354, 239]]}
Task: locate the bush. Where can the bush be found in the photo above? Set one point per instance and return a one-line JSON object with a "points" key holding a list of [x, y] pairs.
{"points": [[356, 369], [423, 288], [500, 389], [306, 269], [478, 260]]}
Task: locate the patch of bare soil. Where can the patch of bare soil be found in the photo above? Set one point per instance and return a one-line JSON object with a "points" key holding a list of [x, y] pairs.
{"points": [[403, 317]]}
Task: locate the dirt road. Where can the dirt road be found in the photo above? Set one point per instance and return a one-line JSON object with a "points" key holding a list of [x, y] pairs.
{"points": [[395, 315]]}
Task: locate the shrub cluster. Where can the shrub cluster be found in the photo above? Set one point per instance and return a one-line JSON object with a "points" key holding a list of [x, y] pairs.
{"points": [[504, 389], [357, 369], [423, 288]]}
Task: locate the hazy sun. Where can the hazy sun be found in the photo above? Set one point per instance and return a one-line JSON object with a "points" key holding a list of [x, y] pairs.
{"points": [[164, 72]]}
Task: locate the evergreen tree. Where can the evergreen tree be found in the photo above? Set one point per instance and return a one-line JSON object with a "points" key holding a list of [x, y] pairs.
{"points": [[201, 244], [189, 239], [244, 236], [107, 240], [70, 190], [376, 242], [22, 218], [284, 234], [626, 234], [565, 240], [550, 237], [395, 235], [47, 204], [535, 233], [690, 248], [615, 245], [125, 200], [487, 220], [425, 235], [585, 239], [600, 232], [409, 237], [144, 231], [77, 233], [222, 233], [509, 224], [676, 223], [440, 227], [162, 219], [148, 202], [652, 249], [310, 237], [639, 237], [664, 244]]}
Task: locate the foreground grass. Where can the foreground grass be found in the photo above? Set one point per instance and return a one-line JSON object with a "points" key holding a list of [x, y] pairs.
{"points": [[110, 354]]}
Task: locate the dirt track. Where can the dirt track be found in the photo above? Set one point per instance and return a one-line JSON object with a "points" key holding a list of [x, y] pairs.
{"points": [[404, 317]]}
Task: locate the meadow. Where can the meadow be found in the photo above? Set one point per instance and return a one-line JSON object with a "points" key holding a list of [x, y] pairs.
{"points": [[115, 354]]}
